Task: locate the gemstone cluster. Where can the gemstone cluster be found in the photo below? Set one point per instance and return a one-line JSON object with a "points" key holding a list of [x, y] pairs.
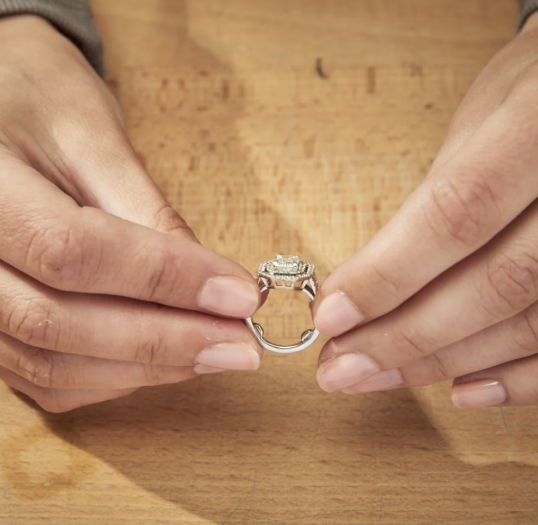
{"points": [[286, 268]]}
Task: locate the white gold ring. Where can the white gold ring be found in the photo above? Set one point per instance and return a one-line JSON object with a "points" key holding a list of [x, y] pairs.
{"points": [[289, 273]]}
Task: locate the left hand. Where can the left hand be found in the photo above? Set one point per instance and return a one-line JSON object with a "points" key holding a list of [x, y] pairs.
{"points": [[449, 287], [103, 287]]}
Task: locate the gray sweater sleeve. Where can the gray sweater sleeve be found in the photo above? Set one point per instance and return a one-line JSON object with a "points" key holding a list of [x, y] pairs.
{"points": [[527, 8], [72, 17]]}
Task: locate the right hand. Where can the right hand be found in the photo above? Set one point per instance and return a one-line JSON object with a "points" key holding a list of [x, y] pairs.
{"points": [[103, 287]]}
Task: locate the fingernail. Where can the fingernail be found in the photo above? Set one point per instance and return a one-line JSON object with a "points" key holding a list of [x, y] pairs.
{"points": [[337, 314], [203, 369], [229, 296], [485, 393], [346, 370], [229, 356], [379, 381]]}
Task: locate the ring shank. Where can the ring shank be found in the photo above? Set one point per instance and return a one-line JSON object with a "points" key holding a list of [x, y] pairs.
{"points": [[308, 337]]}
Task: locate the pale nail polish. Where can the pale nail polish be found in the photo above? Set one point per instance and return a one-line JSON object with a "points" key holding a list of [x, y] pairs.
{"points": [[229, 356], [337, 314], [379, 381], [229, 296], [485, 393], [203, 369], [345, 370]]}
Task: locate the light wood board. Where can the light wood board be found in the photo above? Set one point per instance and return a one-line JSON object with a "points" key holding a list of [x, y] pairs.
{"points": [[262, 155]]}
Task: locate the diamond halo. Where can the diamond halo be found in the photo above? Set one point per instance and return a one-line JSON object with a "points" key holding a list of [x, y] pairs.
{"points": [[288, 268]]}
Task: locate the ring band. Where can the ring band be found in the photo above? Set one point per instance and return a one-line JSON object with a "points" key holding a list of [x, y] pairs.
{"points": [[286, 272]]}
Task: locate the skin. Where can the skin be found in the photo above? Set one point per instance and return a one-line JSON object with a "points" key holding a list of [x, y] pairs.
{"points": [[88, 240], [448, 289]]}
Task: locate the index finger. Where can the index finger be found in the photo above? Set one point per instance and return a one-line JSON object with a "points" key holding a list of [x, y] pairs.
{"points": [[458, 208], [46, 235]]}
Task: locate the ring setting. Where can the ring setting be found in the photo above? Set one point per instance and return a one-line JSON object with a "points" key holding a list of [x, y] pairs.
{"points": [[287, 272]]}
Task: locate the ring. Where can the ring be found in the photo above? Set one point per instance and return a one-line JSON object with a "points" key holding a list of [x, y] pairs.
{"points": [[290, 273]]}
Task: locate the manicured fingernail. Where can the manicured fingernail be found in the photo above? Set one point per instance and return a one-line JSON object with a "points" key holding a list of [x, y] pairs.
{"points": [[345, 370], [337, 314], [485, 393], [379, 381], [229, 356], [203, 369], [229, 296]]}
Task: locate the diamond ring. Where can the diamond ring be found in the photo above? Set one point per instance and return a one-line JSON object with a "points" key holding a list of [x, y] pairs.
{"points": [[290, 273]]}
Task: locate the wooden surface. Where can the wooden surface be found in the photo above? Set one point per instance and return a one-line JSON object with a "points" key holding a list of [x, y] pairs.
{"points": [[262, 156]]}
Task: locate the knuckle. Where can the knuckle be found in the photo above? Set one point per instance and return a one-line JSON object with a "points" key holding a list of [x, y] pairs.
{"points": [[163, 277], [151, 350], [410, 345], [532, 365], [462, 209], [168, 220], [525, 330], [387, 283], [155, 375], [512, 279], [51, 400], [158, 281], [32, 321], [63, 255], [439, 369], [37, 366], [520, 381]]}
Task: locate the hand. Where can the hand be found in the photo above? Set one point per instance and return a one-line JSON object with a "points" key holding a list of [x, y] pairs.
{"points": [[449, 287], [103, 287]]}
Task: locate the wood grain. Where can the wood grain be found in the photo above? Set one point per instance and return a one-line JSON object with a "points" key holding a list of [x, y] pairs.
{"points": [[262, 155]]}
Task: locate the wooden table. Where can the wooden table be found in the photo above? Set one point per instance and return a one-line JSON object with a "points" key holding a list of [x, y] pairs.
{"points": [[264, 154]]}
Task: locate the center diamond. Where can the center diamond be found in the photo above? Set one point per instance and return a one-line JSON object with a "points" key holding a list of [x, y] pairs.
{"points": [[288, 264]]}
